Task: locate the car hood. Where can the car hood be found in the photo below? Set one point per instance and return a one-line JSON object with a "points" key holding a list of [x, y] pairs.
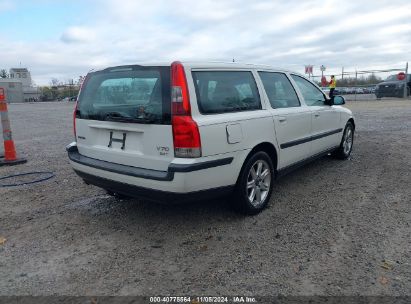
{"points": [[389, 83]]}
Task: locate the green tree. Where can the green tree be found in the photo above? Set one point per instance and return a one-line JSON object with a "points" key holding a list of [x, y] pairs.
{"points": [[48, 93], [3, 74]]}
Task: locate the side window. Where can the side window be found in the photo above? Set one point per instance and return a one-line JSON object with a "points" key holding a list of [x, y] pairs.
{"points": [[312, 95], [211, 89], [279, 89], [220, 92]]}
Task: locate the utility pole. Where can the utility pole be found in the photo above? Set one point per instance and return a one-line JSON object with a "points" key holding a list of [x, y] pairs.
{"points": [[405, 81], [356, 77]]}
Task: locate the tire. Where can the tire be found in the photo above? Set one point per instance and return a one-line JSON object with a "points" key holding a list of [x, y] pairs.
{"points": [[254, 185], [347, 141]]}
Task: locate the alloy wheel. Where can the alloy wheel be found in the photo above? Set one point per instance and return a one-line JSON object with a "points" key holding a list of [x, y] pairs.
{"points": [[258, 183], [348, 140]]}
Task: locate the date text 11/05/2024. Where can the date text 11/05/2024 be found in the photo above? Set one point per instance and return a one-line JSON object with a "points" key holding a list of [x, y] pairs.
{"points": [[199, 300]]}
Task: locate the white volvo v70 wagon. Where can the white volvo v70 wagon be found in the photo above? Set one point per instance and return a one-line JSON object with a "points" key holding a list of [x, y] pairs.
{"points": [[190, 130]]}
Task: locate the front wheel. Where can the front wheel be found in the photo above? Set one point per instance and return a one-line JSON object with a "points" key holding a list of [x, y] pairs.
{"points": [[347, 141], [254, 185]]}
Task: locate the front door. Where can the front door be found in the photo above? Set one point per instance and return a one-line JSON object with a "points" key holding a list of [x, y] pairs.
{"points": [[325, 131]]}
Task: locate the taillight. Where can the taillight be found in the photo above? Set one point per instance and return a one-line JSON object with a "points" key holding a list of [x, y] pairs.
{"points": [[186, 136], [74, 121], [75, 108]]}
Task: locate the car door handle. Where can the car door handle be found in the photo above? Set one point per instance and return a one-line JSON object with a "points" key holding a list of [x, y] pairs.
{"points": [[316, 114], [282, 119]]}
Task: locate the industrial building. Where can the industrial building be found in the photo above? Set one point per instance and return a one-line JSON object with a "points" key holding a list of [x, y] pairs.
{"points": [[19, 86]]}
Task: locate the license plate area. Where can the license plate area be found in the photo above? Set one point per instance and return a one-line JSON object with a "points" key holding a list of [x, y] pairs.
{"points": [[121, 140]]}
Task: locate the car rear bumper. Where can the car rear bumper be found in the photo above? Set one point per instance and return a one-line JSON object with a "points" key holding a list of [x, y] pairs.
{"points": [[153, 194], [181, 182]]}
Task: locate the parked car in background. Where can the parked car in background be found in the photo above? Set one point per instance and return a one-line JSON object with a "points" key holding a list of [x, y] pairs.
{"points": [[337, 91], [343, 91], [184, 131], [366, 90], [359, 90], [392, 87], [349, 90]]}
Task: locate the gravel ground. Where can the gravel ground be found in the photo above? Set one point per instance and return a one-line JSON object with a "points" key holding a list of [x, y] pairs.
{"points": [[332, 227]]}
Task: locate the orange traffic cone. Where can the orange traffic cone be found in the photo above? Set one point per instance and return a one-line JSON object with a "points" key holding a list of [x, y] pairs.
{"points": [[10, 155]]}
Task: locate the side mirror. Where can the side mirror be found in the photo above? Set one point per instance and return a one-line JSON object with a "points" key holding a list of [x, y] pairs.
{"points": [[338, 100]]}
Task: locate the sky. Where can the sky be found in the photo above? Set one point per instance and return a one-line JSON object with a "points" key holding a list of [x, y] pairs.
{"points": [[66, 39]]}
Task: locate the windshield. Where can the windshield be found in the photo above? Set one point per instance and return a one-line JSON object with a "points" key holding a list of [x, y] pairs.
{"points": [[127, 94], [392, 78]]}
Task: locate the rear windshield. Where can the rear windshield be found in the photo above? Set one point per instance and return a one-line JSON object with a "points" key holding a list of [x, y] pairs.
{"points": [[127, 94]]}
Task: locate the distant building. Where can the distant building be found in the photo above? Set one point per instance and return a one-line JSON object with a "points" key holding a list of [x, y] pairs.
{"points": [[19, 87], [23, 75], [13, 89]]}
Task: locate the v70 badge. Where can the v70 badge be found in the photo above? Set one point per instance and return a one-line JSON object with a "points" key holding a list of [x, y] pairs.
{"points": [[163, 151]]}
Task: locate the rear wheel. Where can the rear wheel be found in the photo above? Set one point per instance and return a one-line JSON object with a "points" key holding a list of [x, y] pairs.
{"points": [[254, 186], [347, 141]]}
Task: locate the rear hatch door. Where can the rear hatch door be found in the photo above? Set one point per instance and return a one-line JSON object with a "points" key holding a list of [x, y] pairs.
{"points": [[123, 116]]}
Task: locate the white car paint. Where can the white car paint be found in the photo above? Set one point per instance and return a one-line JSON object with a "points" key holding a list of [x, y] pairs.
{"points": [[226, 135]]}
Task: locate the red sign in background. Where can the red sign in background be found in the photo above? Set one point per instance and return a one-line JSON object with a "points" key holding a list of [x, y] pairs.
{"points": [[401, 76], [323, 81]]}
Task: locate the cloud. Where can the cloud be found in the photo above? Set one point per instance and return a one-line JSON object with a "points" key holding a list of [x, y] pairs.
{"points": [[6, 5], [287, 34], [77, 34]]}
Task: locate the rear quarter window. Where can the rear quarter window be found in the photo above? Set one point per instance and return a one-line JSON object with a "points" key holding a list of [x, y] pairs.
{"points": [[226, 91]]}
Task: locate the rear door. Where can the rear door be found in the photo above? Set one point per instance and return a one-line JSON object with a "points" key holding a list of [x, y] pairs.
{"points": [[292, 119], [231, 117], [123, 116]]}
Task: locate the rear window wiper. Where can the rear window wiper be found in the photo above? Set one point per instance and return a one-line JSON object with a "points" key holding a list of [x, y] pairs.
{"points": [[114, 116]]}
